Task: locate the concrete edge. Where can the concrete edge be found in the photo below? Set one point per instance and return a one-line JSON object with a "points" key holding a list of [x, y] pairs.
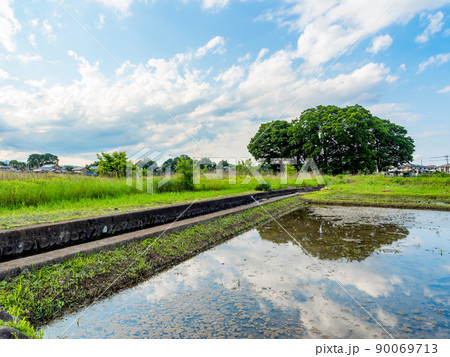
{"points": [[34, 262]]}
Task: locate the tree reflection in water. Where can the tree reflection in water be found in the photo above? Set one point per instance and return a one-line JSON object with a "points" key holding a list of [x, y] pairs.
{"points": [[328, 236]]}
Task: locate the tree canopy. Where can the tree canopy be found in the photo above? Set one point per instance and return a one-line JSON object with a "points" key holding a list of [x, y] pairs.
{"points": [[112, 164], [18, 164], [339, 140], [172, 163], [38, 160]]}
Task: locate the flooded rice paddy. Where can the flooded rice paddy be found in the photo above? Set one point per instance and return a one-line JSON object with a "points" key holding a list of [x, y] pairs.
{"points": [[341, 272]]}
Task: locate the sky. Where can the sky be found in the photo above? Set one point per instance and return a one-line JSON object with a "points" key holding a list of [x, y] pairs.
{"points": [[200, 76]]}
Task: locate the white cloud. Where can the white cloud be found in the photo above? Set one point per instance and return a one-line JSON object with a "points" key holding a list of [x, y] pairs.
{"points": [[402, 67], [262, 53], [215, 45], [231, 76], [439, 59], [34, 22], [427, 134], [101, 21], [396, 112], [94, 107], [47, 31], [9, 25], [380, 43], [391, 78], [24, 58], [118, 5], [4, 75], [245, 58], [444, 90], [434, 26], [32, 39], [214, 4], [328, 28]]}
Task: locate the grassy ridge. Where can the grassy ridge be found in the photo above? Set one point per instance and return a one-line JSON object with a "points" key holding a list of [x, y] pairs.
{"points": [[413, 192], [53, 290], [31, 199]]}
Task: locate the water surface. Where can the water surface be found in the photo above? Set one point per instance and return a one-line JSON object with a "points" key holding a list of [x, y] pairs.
{"points": [[341, 272]]}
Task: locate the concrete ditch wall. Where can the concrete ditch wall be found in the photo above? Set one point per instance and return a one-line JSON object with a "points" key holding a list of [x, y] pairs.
{"points": [[23, 241]]}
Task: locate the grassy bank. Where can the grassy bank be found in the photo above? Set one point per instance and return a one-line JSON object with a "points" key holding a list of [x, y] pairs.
{"points": [[404, 192], [31, 199], [54, 290]]}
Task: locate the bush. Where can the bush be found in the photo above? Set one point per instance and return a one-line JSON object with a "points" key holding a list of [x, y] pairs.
{"points": [[186, 168], [263, 187]]}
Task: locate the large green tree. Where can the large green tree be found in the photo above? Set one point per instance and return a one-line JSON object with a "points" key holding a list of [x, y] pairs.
{"points": [[18, 164], [271, 142], [339, 140], [38, 160], [112, 164]]}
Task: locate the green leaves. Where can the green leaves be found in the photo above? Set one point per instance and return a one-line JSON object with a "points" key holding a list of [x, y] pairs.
{"points": [[112, 164], [339, 140]]}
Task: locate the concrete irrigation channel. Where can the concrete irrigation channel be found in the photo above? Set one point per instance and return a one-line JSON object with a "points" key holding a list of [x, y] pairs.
{"points": [[31, 247]]}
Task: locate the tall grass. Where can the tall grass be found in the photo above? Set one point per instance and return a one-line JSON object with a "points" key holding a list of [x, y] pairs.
{"points": [[28, 190], [18, 190]]}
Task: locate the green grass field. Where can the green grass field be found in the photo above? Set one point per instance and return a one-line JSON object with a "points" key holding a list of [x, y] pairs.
{"points": [[414, 192], [30, 199]]}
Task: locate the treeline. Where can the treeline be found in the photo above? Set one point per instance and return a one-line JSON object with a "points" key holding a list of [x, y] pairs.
{"points": [[340, 140], [116, 164], [34, 161]]}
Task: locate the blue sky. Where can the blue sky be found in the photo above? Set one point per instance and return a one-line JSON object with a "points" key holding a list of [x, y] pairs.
{"points": [[200, 76]]}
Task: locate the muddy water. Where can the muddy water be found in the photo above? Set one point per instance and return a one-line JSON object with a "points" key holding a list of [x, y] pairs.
{"points": [[341, 272]]}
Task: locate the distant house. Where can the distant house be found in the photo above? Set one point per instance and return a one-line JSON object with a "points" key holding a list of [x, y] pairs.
{"points": [[83, 171], [78, 170], [409, 170], [56, 169], [7, 168], [444, 168]]}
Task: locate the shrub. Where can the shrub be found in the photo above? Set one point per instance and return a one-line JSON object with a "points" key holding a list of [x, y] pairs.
{"points": [[263, 187]]}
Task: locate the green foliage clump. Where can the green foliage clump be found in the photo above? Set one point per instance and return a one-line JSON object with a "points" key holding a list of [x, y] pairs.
{"points": [[114, 164], [340, 140], [263, 187], [186, 168]]}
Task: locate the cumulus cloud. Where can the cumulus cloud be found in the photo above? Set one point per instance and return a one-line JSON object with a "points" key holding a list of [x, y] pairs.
{"points": [[328, 28], [231, 76], [9, 25], [434, 26], [380, 43], [215, 45], [97, 112], [438, 60]]}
